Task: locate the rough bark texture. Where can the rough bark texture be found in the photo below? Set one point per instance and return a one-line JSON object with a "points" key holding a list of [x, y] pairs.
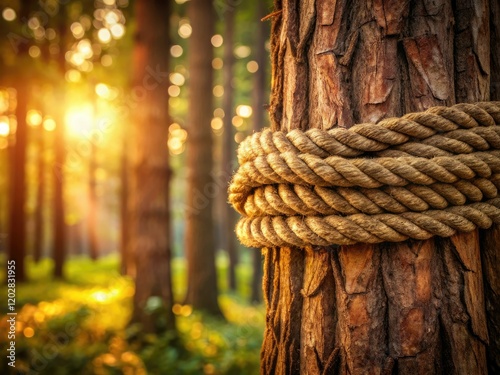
{"points": [[150, 231], [490, 239], [416, 307], [199, 240], [228, 151]]}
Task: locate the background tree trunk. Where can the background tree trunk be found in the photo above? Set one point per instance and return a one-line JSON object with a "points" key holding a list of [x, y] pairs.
{"points": [[200, 241], [17, 189], [40, 196], [126, 259], [258, 110], [92, 208], [228, 150], [151, 241], [59, 251], [415, 307]]}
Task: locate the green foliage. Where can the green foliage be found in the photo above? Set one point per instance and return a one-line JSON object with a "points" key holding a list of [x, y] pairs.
{"points": [[80, 326]]}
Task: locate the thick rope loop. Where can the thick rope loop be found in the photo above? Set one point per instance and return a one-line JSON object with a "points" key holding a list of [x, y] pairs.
{"points": [[424, 174]]}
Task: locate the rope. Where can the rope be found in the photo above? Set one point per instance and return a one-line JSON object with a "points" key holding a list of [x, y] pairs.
{"points": [[425, 174]]}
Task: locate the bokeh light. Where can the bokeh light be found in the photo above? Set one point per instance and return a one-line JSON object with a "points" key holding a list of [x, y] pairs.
{"points": [[34, 118], [9, 14], [244, 111], [104, 35], [185, 30], [49, 124], [217, 40], [34, 51], [176, 50], [252, 66], [4, 126]]}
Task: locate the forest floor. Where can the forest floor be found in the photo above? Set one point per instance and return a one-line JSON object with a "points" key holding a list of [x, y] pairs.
{"points": [[79, 326]]}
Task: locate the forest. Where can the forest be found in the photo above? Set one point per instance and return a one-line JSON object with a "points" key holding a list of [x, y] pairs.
{"points": [[119, 124]]}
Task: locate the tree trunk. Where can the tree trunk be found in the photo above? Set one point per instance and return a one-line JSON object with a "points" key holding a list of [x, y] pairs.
{"points": [[59, 252], [490, 239], [229, 219], [126, 259], [415, 307], [258, 110], [150, 188], [17, 190], [200, 241], [40, 197], [92, 213]]}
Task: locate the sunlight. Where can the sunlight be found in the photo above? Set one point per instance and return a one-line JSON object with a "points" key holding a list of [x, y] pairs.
{"points": [[80, 120]]}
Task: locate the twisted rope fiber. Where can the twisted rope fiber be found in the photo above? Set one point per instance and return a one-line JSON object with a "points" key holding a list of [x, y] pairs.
{"points": [[424, 174]]}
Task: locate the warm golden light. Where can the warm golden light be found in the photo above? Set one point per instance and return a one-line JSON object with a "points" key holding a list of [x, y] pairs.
{"points": [[177, 79], [244, 111], [218, 91], [104, 35], [85, 48], [242, 51], [80, 120], [117, 30], [252, 66], [174, 91], [216, 123], [4, 126], [106, 60], [102, 90], [185, 30], [176, 51], [9, 14], [34, 118], [49, 124], [34, 51], [217, 63], [28, 332], [77, 30], [237, 121], [73, 75], [217, 40]]}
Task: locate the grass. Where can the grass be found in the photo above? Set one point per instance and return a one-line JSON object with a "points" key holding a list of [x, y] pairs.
{"points": [[79, 326]]}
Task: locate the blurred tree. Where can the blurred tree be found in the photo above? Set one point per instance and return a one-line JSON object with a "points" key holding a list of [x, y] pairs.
{"points": [[17, 190], [405, 308], [59, 228], [92, 198], [228, 149], [150, 227], [199, 240], [127, 266], [258, 105], [40, 195]]}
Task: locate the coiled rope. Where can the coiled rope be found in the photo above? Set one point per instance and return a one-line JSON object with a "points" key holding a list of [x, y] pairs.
{"points": [[424, 174]]}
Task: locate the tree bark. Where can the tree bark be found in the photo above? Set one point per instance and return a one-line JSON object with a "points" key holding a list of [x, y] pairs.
{"points": [[199, 240], [228, 150], [150, 188], [490, 239], [415, 307]]}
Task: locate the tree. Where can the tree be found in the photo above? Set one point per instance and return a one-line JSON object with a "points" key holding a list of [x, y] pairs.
{"points": [[59, 250], [229, 220], [17, 189], [40, 195], [258, 98], [150, 185], [199, 237], [415, 307]]}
